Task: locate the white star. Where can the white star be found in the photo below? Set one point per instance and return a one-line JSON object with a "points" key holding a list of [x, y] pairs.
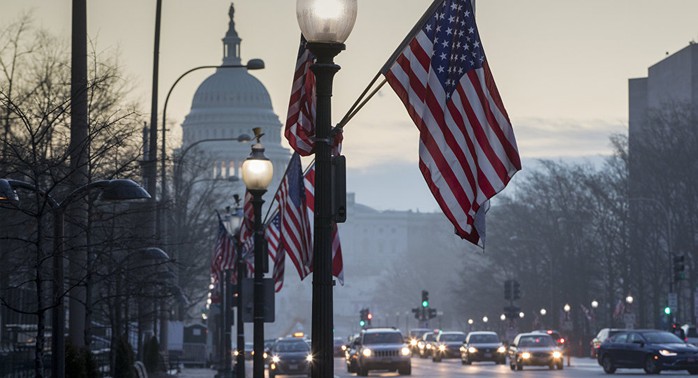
{"points": [[449, 31], [460, 71], [444, 43], [462, 58], [472, 63], [454, 6], [471, 30], [440, 69], [467, 13], [438, 28], [451, 19], [442, 16], [442, 56], [466, 47], [476, 44], [460, 33], [428, 28]]}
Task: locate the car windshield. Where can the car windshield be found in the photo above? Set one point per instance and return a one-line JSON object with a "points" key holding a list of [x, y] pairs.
{"points": [[536, 341], [484, 339], [291, 346], [418, 332], [383, 338], [452, 337], [429, 337], [661, 337]]}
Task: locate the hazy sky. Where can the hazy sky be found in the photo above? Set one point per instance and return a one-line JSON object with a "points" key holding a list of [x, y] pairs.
{"points": [[561, 67]]}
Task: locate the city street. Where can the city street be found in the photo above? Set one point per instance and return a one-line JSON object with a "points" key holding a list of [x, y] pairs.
{"points": [[452, 368]]}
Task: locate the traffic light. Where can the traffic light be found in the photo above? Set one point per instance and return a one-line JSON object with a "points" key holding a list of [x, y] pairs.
{"points": [[432, 313], [667, 310], [369, 316], [425, 298], [679, 268], [516, 292], [363, 314], [416, 312], [507, 290]]}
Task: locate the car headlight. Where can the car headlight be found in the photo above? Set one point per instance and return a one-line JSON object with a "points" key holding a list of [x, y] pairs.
{"points": [[442, 347], [428, 346], [344, 347], [557, 354], [413, 342], [420, 345], [472, 350], [501, 349], [236, 352], [405, 351], [667, 353], [366, 352], [275, 359], [265, 355], [525, 355], [309, 358]]}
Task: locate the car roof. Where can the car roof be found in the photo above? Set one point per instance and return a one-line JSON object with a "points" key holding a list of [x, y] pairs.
{"points": [[452, 333], [482, 333], [381, 330], [533, 334]]}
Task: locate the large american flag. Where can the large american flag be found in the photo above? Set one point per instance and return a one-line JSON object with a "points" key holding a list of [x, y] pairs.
{"points": [[223, 252], [467, 149], [300, 119], [337, 263], [272, 234]]}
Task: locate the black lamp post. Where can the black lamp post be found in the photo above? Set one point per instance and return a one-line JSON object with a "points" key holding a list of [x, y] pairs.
{"points": [[257, 173], [326, 25], [111, 190]]}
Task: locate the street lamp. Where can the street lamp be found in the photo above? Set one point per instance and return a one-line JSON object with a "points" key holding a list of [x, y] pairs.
{"points": [[629, 299], [111, 190], [594, 304], [326, 25], [543, 312], [257, 173], [232, 223]]}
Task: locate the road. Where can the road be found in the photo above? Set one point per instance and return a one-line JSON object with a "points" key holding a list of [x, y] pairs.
{"points": [[425, 368]]}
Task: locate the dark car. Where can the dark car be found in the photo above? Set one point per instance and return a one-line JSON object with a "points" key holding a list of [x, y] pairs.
{"points": [[414, 336], [425, 344], [289, 356], [482, 346], [534, 349], [651, 350], [447, 345], [559, 339], [382, 349], [603, 334], [338, 344], [350, 353]]}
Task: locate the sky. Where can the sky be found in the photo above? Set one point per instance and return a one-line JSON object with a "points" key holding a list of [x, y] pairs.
{"points": [[561, 66]]}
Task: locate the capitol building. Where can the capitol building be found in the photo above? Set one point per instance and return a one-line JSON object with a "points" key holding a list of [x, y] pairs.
{"points": [[375, 244]]}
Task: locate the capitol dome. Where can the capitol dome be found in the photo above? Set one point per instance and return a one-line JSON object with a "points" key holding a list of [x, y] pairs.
{"points": [[229, 103]]}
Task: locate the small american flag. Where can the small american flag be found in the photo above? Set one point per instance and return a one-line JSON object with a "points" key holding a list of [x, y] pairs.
{"points": [[337, 263], [467, 149], [300, 119], [273, 235], [247, 235], [223, 253]]}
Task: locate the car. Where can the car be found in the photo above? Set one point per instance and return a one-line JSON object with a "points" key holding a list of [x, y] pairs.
{"points": [[603, 334], [425, 344], [350, 353], [559, 340], [413, 337], [249, 351], [652, 350], [338, 344], [535, 349], [447, 345], [382, 349], [480, 346], [289, 356], [691, 334]]}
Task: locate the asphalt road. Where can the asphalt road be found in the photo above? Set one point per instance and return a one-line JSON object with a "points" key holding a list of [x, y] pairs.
{"points": [[452, 368]]}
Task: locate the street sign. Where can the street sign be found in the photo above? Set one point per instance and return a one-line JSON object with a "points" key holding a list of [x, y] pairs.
{"points": [[673, 302], [248, 300]]}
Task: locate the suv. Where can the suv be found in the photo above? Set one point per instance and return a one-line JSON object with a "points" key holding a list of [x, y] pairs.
{"points": [[382, 349], [603, 334]]}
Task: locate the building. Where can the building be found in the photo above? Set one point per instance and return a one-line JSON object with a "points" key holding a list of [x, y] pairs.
{"points": [[661, 144]]}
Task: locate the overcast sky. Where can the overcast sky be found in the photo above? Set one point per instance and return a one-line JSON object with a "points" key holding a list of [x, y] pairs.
{"points": [[561, 66]]}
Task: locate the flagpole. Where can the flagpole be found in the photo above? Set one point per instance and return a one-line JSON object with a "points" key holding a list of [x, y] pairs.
{"points": [[351, 113]]}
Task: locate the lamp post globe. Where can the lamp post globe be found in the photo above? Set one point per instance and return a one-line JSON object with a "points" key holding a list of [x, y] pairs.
{"points": [[502, 317], [566, 307], [543, 312], [594, 304], [629, 299], [326, 21]]}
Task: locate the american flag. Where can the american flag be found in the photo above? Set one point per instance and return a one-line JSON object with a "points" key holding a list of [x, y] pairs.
{"points": [[273, 235], [223, 253], [300, 119], [296, 239], [467, 149], [337, 263]]}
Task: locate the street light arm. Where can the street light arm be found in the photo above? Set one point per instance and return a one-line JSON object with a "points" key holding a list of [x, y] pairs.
{"points": [[32, 188]]}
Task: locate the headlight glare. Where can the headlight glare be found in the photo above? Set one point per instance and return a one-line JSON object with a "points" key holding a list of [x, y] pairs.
{"points": [[405, 351], [442, 347], [501, 349], [275, 359], [667, 353], [472, 350], [413, 342], [557, 354], [525, 355], [366, 352], [309, 358]]}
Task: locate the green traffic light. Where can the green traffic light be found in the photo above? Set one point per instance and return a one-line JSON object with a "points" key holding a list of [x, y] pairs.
{"points": [[425, 303], [667, 310], [362, 323]]}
